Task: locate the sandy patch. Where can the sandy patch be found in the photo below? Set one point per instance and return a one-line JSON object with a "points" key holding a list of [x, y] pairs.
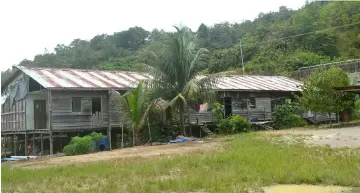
{"points": [[304, 189], [340, 137]]}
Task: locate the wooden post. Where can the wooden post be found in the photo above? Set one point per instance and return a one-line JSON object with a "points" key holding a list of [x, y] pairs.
{"points": [[14, 144], [5, 145], [190, 129], [122, 135], [42, 143], [200, 131], [25, 125], [109, 119], [26, 150], [109, 136], [33, 142], [50, 124]]}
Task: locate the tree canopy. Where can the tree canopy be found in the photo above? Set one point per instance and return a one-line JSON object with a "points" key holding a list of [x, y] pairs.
{"points": [[274, 43], [319, 95]]}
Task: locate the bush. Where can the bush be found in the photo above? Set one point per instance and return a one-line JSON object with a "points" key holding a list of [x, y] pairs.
{"points": [[234, 124], [82, 145], [296, 121], [97, 136], [286, 117], [217, 111], [239, 124], [224, 126]]}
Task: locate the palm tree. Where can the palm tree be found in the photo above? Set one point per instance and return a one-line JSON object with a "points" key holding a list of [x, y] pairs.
{"points": [[173, 74], [136, 106]]}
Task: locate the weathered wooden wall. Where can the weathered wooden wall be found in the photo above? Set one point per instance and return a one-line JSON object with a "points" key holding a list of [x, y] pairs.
{"points": [[62, 116], [115, 111], [262, 110], [13, 116]]}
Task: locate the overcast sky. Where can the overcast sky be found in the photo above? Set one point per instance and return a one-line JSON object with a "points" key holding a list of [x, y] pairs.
{"points": [[28, 27]]}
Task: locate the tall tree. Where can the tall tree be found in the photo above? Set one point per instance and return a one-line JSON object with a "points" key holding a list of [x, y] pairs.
{"points": [[203, 35], [174, 77], [319, 95]]}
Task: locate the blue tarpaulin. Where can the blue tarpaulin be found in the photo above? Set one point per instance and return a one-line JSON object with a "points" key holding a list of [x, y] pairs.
{"points": [[178, 140]]}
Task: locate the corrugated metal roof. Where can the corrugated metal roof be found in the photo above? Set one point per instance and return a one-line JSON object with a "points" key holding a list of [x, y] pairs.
{"points": [[258, 83], [79, 78], [101, 79]]}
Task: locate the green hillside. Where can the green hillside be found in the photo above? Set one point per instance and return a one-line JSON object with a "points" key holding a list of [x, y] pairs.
{"points": [[274, 43]]}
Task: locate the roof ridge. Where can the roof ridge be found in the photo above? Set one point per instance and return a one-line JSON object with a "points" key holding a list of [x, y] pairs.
{"points": [[78, 69]]}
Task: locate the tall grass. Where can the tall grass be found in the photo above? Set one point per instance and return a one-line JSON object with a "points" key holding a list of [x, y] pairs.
{"points": [[245, 163]]}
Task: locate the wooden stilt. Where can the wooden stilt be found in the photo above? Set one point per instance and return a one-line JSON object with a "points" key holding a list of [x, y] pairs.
{"points": [[15, 140], [122, 136], [33, 143], [50, 124], [26, 143], [5, 145], [109, 137], [109, 119], [190, 128], [42, 143], [12, 142]]}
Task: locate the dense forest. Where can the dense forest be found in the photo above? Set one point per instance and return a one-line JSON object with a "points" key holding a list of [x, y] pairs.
{"points": [[275, 43]]}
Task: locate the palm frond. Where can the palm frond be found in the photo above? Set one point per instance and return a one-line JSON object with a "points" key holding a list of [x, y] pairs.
{"points": [[178, 102]]}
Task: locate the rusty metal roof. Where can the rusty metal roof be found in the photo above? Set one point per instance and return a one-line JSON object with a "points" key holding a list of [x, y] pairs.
{"points": [[258, 83], [103, 79], [80, 78]]}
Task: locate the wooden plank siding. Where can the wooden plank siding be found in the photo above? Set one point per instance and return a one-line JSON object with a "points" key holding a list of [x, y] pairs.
{"points": [[115, 110], [261, 111], [13, 116], [62, 116]]}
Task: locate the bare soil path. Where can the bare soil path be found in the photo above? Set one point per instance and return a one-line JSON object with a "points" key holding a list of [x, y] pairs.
{"points": [[139, 151], [339, 137]]}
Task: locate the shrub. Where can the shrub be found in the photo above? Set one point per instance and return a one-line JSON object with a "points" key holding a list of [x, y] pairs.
{"points": [[233, 124], [224, 126], [296, 121], [82, 145], [217, 111], [97, 136], [285, 116], [239, 123]]}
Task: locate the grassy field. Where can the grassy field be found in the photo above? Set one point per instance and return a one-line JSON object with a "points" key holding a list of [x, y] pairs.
{"points": [[246, 162]]}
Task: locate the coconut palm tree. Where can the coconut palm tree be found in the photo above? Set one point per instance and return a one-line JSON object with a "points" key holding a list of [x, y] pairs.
{"points": [[136, 105], [174, 77]]}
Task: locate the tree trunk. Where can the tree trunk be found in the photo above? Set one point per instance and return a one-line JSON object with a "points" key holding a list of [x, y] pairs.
{"points": [[133, 137], [190, 129], [137, 136], [182, 124]]}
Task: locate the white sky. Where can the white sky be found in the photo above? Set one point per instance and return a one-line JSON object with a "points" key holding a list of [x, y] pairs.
{"points": [[28, 27]]}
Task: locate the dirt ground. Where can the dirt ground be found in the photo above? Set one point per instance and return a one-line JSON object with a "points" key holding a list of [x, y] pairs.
{"points": [[139, 151], [339, 137]]}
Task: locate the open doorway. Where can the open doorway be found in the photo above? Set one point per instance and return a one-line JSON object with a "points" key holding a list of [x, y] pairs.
{"points": [[96, 105], [40, 114], [227, 106]]}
